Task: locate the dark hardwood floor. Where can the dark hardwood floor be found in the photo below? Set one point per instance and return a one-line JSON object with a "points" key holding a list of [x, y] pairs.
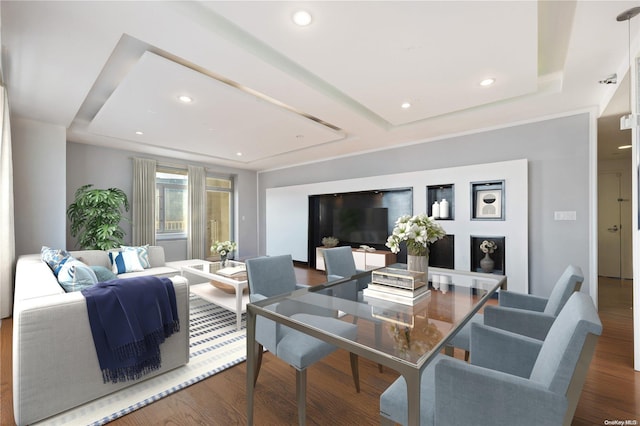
{"points": [[611, 392]]}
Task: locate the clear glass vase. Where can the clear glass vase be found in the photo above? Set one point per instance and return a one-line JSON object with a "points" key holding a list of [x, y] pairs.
{"points": [[418, 263]]}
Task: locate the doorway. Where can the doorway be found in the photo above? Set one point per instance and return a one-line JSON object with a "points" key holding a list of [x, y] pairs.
{"points": [[615, 259]]}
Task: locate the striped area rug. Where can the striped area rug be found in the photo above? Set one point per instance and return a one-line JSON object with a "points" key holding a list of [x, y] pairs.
{"points": [[215, 345]]}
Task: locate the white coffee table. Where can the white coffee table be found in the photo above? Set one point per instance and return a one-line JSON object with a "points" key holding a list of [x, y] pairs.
{"points": [[234, 302]]}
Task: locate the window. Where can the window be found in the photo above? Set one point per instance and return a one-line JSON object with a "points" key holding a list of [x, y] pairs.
{"points": [[171, 204], [219, 210]]}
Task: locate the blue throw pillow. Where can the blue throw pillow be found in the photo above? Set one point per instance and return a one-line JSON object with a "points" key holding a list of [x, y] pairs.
{"points": [[103, 274], [75, 275], [55, 258], [125, 261]]}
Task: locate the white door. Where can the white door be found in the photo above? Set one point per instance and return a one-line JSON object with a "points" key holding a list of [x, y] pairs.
{"points": [[614, 226]]}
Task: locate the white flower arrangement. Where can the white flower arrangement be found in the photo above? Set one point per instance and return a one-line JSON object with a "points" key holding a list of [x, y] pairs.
{"points": [[223, 248], [418, 231], [488, 246], [330, 241]]}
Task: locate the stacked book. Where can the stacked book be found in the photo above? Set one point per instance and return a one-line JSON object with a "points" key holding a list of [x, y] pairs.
{"points": [[398, 286]]}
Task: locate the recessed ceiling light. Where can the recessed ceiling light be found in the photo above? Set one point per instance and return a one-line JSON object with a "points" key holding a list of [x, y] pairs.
{"points": [[487, 82], [624, 147], [139, 133], [239, 154], [302, 18], [406, 105], [185, 99]]}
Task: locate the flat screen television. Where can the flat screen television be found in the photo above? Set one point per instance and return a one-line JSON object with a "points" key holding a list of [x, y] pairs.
{"points": [[361, 225]]}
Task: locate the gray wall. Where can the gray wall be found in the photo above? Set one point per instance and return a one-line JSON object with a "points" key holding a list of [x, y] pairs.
{"points": [[45, 174], [558, 154], [105, 167], [39, 190], [48, 171]]}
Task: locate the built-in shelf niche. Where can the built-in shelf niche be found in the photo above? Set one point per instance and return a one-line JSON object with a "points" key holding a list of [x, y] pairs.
{"points": [[498, 255], [442, 252], [438, 193]]}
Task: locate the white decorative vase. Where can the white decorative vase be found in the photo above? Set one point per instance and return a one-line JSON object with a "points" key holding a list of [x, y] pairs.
{"points": [[418, 263]]}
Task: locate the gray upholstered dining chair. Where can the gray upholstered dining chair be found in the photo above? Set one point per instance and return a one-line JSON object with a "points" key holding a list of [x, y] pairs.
{"points": [[524, 314], [339, 263], [511, 379], [271, 276]]}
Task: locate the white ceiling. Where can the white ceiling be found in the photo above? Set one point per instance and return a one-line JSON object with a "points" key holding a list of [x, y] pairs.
{"points": [[282, 95]]}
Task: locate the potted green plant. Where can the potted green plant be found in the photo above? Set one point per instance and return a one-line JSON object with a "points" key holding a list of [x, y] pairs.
{"points": [[95, 217]]}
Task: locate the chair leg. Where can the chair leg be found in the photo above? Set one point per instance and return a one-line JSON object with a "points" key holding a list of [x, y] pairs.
{"points": [[386, 422], [258, 363], [301, 395], [355, 371], [448, 350], [466, 356]]}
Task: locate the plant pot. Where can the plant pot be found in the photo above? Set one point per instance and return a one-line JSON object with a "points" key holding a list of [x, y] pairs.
{"points": [[487, 263]]}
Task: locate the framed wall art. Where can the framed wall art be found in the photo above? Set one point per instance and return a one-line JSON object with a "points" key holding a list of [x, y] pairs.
{"points": [[487, 200]]}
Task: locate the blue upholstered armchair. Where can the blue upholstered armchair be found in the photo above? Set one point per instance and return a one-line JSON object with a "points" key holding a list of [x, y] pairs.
{"points": [[512, 379], [271, 276], [524, 314]]}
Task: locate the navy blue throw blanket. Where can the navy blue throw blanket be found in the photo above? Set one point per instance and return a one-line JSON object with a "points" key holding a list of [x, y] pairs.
{"points": [[129, 320]]}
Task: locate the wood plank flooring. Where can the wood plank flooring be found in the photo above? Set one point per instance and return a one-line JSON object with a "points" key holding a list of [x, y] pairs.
{"points": [[611, 392]]}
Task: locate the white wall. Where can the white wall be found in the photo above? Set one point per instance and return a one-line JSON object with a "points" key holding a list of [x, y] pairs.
{"points": [[39, 177], [287, 211]]}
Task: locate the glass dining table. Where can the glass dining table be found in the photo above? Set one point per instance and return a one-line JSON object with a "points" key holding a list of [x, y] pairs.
{"points": [[402, 336]]}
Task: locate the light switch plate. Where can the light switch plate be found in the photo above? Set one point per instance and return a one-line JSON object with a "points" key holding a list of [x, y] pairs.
{"points": [[569, 215]]}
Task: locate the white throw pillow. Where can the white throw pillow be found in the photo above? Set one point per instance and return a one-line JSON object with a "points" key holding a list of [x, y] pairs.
{"points": [[143, 254]]}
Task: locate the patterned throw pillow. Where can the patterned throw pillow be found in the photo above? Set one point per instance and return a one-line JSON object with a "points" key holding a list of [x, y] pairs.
{"points": [[103, 274], [143, 254], [55, 258], [125, 261], [75, 275]]}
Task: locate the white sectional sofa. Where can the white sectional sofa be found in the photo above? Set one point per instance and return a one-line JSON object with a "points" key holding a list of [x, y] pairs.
{"points": [[55, 366]]}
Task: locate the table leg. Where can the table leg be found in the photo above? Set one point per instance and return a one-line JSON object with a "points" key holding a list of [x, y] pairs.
{"points": [[413, 397], [239, 292], [252, 357]]}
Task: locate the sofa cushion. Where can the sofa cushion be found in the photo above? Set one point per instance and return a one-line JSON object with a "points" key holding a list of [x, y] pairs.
{"points": [[125, 261], [103, 274], [143, 254], [156, 256], [55, 258], [75, 275], [160, 271], [92, 257]]}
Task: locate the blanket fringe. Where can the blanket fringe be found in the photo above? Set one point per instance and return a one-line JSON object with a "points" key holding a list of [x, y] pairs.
{"points": [[141, 348], [134, 372]]}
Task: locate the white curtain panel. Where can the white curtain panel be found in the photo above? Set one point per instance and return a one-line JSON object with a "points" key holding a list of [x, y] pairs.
{"points": [[7, 236], [197, 188], [144, 202]]}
